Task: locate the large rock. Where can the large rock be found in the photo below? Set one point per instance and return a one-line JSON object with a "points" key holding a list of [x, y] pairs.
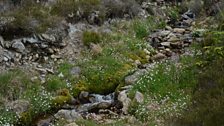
{"points": [[68, 115], [18, 46], [179, 30], [123, 98], [139, 97], [131, 79]]}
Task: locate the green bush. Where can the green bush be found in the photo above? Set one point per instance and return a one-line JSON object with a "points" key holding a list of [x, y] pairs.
{"points": [[208, 100], [55, 83], [89, 37], [213, 46], [140, 29]]}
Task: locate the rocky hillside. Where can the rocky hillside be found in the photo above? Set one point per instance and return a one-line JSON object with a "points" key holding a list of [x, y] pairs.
{"points": [[111, 62]]}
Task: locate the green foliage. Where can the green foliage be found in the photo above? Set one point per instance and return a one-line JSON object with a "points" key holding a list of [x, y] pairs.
{"points": [[207, 107], [141, 30], [89, 37], [173, 13], [55, 83], [102, 75], [65, 68], [7, 117], [207, 99], [213, 46]]}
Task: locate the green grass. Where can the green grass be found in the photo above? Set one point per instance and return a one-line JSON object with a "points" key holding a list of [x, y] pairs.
{"points": [[167, 89], [89, 37], [141, 30]]}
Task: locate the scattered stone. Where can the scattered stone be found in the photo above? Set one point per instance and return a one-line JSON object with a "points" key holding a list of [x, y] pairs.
{"points": [[68, 115], [179, 30], [48, 38], [165, 33], [139, 97], [173, 39], [75, 71], [158, 56], [165, 44], [176, 45], [96, 49], [30, 40], [168, 28]]}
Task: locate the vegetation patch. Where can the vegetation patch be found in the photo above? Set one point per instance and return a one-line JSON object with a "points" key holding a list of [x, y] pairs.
{"points": [[167, 90], [89, 37]]}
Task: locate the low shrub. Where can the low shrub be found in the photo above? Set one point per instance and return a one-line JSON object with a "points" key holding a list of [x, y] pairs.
{"points": [[75, 10], [140, 29], [55, 83], [89, 37], [29, 19]]}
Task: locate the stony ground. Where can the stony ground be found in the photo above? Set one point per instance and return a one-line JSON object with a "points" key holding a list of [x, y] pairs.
{"points": [[57, 60]]}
